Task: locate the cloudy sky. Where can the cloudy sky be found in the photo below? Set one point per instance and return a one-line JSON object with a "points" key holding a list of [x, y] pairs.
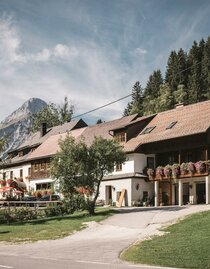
{"points": [[92, 51]]}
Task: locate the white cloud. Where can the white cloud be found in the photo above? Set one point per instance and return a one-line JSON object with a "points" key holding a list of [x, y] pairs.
{"points": [[90, 75], [140, 51], [11, 51]]}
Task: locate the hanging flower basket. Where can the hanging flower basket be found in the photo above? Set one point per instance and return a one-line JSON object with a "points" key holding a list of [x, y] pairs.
{"points": [[175, 170], [3, 182], [150, 173], [200, 167], [168, 171], [184, 169], [191, 168], [159, 172]]}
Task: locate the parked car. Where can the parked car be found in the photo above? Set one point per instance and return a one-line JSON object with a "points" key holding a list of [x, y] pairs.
{"points": [[53, 197], [29, 198]]}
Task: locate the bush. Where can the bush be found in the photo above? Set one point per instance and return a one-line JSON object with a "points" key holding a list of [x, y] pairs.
{"points": [[74, 203]]}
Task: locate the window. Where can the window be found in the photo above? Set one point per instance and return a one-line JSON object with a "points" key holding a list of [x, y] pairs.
{"points": [[36, 167], [171, 125], [21, 173], [148, 130], [118, 167], [11, 174], [20, 153], [150, 162], [48, 165], [29, 171], [43, 165], [120, 137], [43, 186]]}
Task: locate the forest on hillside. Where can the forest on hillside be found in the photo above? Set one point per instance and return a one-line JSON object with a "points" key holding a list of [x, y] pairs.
{"points": [[186, 80]]}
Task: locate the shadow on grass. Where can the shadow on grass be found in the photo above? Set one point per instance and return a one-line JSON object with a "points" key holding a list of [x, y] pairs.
{"points": [[75, 216], [152, 208], [4, 232]]}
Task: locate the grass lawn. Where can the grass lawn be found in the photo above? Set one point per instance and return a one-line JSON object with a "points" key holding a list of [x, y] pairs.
{"points": [[49, 228], [187, 245]]}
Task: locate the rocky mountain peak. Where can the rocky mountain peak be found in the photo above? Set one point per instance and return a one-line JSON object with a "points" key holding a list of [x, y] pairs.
{"points": [[17, 124]]}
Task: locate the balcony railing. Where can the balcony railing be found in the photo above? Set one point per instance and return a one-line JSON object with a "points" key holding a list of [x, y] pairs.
{"points": [[190, 169]]}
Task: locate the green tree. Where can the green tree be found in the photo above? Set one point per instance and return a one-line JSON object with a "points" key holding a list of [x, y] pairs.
{"points": [[53, 115], [180, 95], [3, 142], [195, 87], [152, 88], [152, 92], [77, 165], [48, 114], [166, 100], [206, 69], [136, 104], [177, 69], [65, 111]]}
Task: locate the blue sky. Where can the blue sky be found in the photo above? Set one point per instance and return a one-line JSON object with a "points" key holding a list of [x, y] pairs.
{"points": [[92, 51]]}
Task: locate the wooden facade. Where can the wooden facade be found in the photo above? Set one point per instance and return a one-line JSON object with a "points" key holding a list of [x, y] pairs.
{"points": [[40, 169]]}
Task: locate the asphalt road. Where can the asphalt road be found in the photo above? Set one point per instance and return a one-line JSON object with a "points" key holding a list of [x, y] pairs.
{"points": [[98, 246]]}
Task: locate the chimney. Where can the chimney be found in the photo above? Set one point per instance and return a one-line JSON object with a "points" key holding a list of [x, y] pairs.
{"points": [[179, 105], [43, 129]]}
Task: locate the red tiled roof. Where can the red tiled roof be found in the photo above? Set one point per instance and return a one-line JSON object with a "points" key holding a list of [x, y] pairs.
{"points": [[51, 146], [191, 119], [36, 139]]}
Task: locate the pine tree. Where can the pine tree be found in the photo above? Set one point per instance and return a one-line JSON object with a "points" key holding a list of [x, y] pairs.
{"points": [[153, 85], [166, 100], [177, 72], [136, 104], [65, 111], [206, 69], [195, 87]]}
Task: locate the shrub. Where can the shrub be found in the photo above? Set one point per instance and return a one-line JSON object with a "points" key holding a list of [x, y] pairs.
{"points": [[74, 203]]}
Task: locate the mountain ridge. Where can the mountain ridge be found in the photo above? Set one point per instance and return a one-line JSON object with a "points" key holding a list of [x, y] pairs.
{"points": [[16, 126]]}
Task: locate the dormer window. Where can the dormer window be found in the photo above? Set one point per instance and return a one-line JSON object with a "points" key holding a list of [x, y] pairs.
{"points": [[120, 137], [148, 130], [171, 125], [20, 153]]}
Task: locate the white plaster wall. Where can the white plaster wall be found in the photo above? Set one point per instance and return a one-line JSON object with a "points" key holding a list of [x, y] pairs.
{"points": [[16, 172], [127, 167], [117, 186], [33, 182], [135, 162], [137, 195], [140, 161]]}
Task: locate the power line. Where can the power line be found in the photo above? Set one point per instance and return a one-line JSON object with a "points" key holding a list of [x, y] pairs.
{"points": [[80, 115], [95, 109]]}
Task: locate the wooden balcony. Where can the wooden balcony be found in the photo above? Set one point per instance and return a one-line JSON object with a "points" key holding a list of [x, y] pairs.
{"points": [[176, 171]]}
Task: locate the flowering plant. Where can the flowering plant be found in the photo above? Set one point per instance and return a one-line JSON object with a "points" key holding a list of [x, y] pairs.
{"points": [[3, 182], [191, 168], [9, 181], [184, 168], [175, 170], [150, 173], [168, 171], [200, 167], [160, 171]]}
